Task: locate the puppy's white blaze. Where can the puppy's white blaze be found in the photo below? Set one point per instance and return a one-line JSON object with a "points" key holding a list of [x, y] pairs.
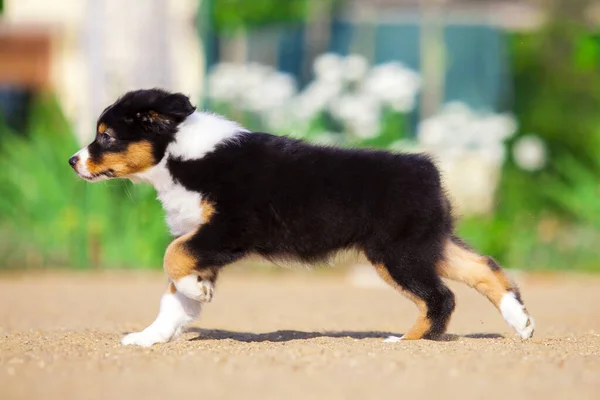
{"points": [[514, 314], [200, 133], [176, 311], [81, 166]]}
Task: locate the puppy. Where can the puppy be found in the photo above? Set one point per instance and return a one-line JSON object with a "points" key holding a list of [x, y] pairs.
{"points": [[229, 193]]}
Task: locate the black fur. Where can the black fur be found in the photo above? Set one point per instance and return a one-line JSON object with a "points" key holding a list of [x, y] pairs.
{"points": [[282, 198]]}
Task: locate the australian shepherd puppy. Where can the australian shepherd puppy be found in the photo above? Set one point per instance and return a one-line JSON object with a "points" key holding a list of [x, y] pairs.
{"points": [[229, 193]]}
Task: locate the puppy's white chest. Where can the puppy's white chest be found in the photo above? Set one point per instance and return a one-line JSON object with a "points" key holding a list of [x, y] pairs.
{"points": [[184, 210]]}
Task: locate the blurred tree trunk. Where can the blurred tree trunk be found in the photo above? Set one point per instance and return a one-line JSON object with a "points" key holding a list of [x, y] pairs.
{"points": [[433, 66]]}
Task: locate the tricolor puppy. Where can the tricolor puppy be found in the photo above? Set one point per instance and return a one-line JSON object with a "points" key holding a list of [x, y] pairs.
{"points": [[230, 193]]}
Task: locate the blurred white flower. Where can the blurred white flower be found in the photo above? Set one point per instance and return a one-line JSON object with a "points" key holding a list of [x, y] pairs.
{"points": [[504, 126], [275, 90], [344, 87], [223, 82], [315, 98], [394, 84], [253, 75], [494, 154], [348, 105], [529, 153], [355, 67], [251, 87], [457, 126], [364, 125], [329, 67], [432, 134], [359, 112], [471, 150]]}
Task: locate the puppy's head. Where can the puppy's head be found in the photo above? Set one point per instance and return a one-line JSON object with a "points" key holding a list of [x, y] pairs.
{"points": [[132, 134]]}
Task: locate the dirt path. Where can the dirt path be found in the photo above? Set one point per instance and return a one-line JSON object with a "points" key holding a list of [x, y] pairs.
{"points": [[291, 336]]}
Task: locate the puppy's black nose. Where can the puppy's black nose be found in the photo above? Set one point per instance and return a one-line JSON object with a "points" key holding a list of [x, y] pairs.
{"points": [[73, 160]]}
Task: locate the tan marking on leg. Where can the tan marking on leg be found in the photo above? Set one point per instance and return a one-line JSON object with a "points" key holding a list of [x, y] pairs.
{"points": [[178, 261], [137, 157], [207, 210], [423, 324], [473, 269]]}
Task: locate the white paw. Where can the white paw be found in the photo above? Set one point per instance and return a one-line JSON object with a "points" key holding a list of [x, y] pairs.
{"points": [[144, 338], [516, 316], [202, 291], [393, 339], [527, 331], [207, 291]]}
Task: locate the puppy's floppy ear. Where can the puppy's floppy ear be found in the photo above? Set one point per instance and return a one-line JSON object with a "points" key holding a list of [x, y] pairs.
{"points": [[175, 106], [169, 110]]}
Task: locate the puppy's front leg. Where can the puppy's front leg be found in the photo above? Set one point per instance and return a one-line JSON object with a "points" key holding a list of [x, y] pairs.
{"points": [[190, 285], [176, 311]]}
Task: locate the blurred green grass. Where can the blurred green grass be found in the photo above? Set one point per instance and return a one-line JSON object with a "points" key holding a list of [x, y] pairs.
{"points": [[49, 217]]}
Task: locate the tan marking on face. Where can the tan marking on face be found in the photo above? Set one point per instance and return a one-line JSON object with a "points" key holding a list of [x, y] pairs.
{"points": [[178, 261], [207, 210], [465, 266], [423, 323], [137, 157], [102, 128]]}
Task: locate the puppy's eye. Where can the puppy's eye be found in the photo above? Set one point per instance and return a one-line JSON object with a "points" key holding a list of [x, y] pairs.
{"points": [[106, 136]]}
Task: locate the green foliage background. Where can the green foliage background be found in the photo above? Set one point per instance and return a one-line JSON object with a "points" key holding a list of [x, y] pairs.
{"points": [[50, 217], [233, 15], [549, 219]]}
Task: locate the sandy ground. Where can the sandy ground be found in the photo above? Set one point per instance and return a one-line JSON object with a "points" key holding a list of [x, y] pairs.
{"points": [[295, 335]]}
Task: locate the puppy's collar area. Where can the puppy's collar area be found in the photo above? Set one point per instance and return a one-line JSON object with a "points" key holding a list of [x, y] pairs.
{"points": [[200, 133]]}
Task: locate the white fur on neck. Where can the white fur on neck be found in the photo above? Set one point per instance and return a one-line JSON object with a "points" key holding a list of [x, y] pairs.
{"points": [[199, 134]]}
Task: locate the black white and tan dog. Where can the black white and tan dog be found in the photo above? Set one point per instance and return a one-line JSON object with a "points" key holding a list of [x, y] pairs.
{"points": [[230, 193]]}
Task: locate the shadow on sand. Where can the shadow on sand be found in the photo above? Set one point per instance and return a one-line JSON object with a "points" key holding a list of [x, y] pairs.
{"points": [[289, 335]]}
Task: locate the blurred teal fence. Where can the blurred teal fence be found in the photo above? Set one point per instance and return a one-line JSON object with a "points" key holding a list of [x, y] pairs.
{"points": [[477, 61]]}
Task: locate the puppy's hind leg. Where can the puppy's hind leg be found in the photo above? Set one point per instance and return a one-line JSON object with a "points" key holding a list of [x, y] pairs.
{"points": [[416, 279], [488, 278]]}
